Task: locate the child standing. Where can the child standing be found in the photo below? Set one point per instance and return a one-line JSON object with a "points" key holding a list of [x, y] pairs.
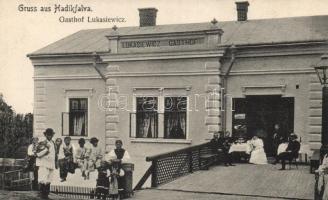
{"points": [[65, 159], [58, 143], [115, 174], [122, 156], [31, 167], [81, 157], [102, 181]]}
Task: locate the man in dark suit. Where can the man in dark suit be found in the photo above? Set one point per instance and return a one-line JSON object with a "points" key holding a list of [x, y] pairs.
{"points": [[291, 151], [220, 146], [277, 138]]}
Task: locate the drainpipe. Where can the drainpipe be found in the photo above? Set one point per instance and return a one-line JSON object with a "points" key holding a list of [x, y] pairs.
{"points": [[225, 86], [97, 59]]}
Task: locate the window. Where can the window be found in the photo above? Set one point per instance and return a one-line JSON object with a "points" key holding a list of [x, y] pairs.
{"points": [[175, 115], [161, 117], [147, 117], [78, 117]]}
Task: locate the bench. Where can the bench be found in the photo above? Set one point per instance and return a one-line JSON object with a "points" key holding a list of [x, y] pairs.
{"points": [[314, 161], [206, 160]]}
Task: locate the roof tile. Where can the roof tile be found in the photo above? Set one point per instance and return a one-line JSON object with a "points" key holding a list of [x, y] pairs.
{"points": [[279, 30]]}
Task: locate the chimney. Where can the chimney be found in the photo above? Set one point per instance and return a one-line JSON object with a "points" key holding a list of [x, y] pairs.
{"points": [[242, 8], [147, 16]]}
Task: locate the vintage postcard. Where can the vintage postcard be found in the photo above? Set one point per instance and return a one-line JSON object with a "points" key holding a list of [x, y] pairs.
{"points": [[180, 99]]}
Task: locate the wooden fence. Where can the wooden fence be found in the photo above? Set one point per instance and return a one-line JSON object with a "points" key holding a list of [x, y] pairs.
{"points": [[12, 176]]}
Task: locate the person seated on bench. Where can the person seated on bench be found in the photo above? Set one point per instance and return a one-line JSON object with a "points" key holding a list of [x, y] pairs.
{"points": [[220, 146], [291, 151]]}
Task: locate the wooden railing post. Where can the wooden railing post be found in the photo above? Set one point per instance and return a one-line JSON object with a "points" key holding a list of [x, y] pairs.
{"points": [[92, 194], [190, 161], [154, 180], [316, 190]]}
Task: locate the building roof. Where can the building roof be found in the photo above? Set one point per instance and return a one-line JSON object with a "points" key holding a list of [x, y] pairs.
{"points": [[278, 30]]}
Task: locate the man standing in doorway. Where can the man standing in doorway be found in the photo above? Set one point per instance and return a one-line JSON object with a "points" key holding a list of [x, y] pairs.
{"points": [[46, 162], [278, 138]]}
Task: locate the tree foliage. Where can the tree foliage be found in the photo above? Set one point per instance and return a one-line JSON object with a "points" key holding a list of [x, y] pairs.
{"points": [[16, 131]]}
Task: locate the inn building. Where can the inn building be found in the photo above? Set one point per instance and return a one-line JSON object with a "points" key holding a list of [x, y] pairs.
{"points": [[165, 87]]}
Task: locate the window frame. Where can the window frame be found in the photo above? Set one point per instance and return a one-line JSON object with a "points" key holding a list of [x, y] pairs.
{"points": [[88, 116], [155, 111], [187, 116], [160, 112]]}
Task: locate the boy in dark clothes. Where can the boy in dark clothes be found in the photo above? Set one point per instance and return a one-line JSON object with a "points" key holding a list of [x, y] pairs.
{"points": [[66, 159], [102, 187]]}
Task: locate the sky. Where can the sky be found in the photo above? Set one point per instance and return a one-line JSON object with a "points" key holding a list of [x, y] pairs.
{"points": [[23, 31]]}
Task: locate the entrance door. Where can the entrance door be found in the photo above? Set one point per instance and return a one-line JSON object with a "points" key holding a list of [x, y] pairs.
{"points": [[257, 115]]}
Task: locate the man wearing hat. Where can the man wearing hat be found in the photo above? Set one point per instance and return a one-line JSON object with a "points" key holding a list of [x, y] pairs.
{"points": [[290, 152], [46, 162]]}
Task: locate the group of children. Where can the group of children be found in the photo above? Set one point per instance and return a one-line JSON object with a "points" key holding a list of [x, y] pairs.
{"points": [[87, 159]]}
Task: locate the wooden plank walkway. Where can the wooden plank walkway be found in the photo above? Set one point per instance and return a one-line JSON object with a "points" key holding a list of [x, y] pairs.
{"points": [[151, 194], [264, 181]]}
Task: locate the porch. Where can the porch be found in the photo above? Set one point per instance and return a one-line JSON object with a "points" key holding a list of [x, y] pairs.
{"points": [[241, 182]]}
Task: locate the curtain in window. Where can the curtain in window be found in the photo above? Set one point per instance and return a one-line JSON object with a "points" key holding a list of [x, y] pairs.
{"points": [[147, 117], [147, 125], [78, 116], [79, 124], [175, 118]]}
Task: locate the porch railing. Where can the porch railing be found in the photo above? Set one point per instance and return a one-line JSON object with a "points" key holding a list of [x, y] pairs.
{"points": [[169, 166], [73, 192]]}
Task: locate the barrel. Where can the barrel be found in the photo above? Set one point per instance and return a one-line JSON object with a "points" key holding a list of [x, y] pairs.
{"points": [[128, 179]]}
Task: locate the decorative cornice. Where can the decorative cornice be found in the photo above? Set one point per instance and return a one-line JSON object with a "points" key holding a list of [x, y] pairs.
{"points": [[275, 53], [270, 72], [61, 55], [281, 87], [65, 77], [178, 73], [89, 90], [51, 63], [187, 88], [170, 34], [146, 74], [278, 44], [162, 56]]}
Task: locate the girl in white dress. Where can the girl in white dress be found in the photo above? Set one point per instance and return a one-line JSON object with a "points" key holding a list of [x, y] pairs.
{"points": [[257, 151]]}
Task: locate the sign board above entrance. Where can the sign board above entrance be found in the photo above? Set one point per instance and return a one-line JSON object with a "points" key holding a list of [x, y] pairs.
{"points": [[188, 41], [160, 43]]}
